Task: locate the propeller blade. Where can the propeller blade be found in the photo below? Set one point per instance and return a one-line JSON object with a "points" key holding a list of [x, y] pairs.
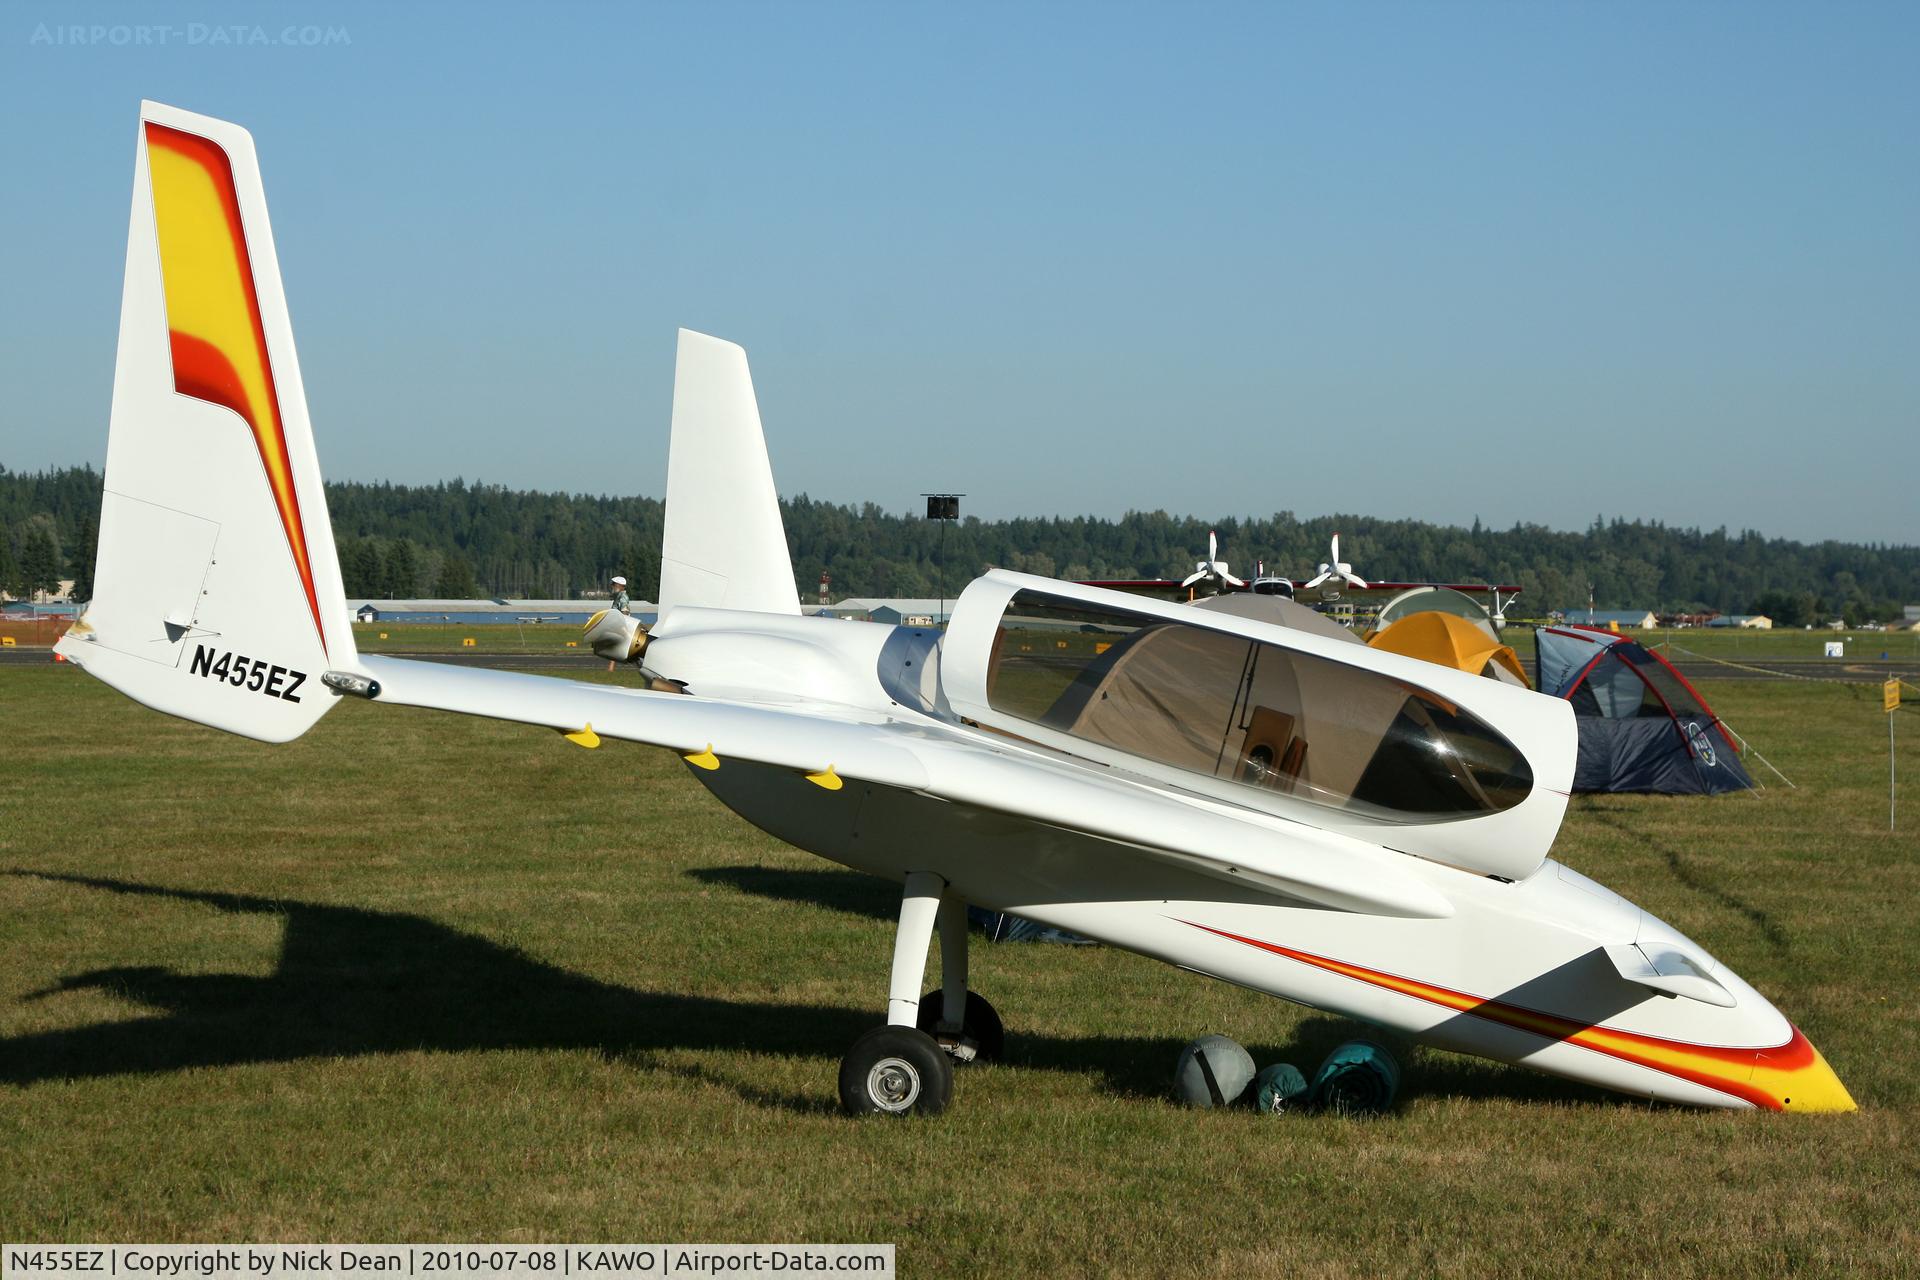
{"points": [[1308, 586], [1213, 547], [1230, 580], [1192, 578], [1355, 580], [1336, 548]]}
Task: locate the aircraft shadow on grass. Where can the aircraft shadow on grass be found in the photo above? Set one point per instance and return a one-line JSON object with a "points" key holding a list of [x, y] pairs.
{"points": [[351, 981], [850, 891]]}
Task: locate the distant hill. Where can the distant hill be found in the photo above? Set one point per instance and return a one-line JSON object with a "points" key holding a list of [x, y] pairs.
{"points": [[460, 539]]}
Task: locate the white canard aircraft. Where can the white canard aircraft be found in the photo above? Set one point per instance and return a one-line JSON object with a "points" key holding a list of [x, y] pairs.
{"points": [[1350, 829]]}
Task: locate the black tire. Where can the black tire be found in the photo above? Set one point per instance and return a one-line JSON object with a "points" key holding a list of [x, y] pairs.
{"points": [[895, 1071], [981, 1023]]}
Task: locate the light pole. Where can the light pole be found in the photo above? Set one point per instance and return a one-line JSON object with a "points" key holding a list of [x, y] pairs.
{"points": [[944, 507]]}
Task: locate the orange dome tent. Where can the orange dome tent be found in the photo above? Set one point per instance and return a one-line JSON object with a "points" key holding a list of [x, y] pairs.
{"points": [[1451, 641]]}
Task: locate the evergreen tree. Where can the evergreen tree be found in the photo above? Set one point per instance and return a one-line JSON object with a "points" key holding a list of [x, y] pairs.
{"points": [[83, 560], [456, 579], [360, 567], [401, 571], [39, 561], [10, 581]]}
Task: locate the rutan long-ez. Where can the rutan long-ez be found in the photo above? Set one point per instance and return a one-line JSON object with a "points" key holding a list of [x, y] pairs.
{"points": [[1254, 798]]}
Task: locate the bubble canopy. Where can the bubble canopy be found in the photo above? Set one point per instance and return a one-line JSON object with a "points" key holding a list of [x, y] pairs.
{"points": [[1229, 707]]}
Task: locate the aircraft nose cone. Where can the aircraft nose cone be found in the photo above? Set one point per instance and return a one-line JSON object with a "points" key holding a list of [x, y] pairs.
{"points": [[1797, 1078]]}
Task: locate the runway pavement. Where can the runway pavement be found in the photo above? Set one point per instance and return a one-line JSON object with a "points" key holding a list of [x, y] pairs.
{"points": [[1847, 670]]}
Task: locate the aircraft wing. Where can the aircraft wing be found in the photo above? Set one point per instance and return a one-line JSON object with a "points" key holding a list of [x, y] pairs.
{"points": [[689, 725], [950, 763]]}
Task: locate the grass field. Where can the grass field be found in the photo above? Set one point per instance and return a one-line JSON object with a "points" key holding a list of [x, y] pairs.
{"points": [[1901, 647], [419, 977]]}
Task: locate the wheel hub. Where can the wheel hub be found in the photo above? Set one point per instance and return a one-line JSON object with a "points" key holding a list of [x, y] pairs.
{"points": [[893, 1084]]}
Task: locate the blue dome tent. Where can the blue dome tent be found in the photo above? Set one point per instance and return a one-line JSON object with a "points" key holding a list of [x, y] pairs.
{"points": [[1642, 726]]}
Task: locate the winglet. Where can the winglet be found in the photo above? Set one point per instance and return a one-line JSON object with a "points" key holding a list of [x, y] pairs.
{"points": [[216, 588], [724, 545]]}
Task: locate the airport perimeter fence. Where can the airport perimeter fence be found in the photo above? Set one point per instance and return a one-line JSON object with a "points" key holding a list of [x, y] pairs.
{"points": [[32, 633]]}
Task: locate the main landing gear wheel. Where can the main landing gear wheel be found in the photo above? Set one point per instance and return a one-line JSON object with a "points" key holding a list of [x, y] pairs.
{"points": [[895, 1071], [981, 1026]]}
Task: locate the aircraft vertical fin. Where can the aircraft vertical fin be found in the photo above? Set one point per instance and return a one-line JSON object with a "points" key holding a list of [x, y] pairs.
{"points": [[724, 545], [217, 592]]}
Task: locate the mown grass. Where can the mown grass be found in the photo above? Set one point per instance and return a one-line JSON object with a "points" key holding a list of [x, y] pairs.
{"points": [[1902, 648], [422, 977]]}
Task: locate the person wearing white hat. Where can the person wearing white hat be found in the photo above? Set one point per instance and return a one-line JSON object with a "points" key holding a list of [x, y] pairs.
{"points": [[620, 601]]}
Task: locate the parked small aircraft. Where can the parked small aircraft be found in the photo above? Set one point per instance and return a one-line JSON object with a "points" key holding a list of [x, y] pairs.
{"points": [[1334, 582], [1335, 574], [1212, 570], [1354, 830]]}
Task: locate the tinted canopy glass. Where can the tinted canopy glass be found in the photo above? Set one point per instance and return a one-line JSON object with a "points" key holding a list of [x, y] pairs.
{"points": [[1213, 703]]}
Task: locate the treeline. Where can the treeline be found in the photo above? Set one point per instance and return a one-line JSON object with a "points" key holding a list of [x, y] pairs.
{"points": [[459, 539]]}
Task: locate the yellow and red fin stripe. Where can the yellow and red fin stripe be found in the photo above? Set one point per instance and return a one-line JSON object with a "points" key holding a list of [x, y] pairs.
{"points": [[213, 314], [1792, 1076]]}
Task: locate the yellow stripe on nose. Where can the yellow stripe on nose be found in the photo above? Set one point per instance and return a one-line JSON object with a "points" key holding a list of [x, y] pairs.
{"points": [[1811, 1086]]}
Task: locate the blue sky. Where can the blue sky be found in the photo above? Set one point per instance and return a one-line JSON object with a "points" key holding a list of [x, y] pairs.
{"points": [[1521, 261]]}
